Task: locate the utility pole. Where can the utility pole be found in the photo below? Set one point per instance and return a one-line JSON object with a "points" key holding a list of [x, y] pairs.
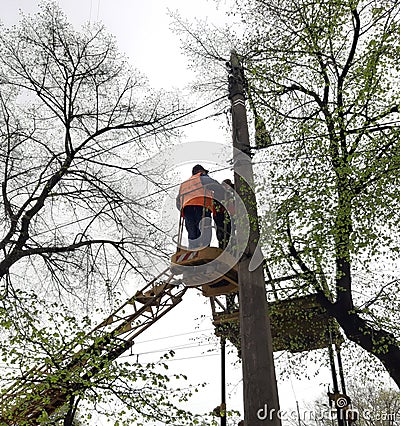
{"points": [[260, 393], [223, 385]]}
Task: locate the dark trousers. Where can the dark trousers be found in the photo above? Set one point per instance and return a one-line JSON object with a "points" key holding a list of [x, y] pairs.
{"points": [[198, 226], [224, 227]]}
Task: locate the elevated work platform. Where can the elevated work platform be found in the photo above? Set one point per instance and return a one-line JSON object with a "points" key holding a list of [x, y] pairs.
{"points": [[211, 268]]}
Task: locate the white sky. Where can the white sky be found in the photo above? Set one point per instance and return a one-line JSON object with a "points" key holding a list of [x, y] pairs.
{"points": [[141, 28], [142, 31]]}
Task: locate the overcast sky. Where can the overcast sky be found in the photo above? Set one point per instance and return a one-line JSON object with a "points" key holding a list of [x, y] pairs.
{"points": [[142, 29]]}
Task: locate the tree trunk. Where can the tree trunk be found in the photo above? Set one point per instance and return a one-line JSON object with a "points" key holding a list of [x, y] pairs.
{"points": [[380, 343]]}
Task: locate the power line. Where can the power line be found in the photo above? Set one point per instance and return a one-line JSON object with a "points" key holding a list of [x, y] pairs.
{"points": [[172, 348], [175, 335], [178, 359], [372, 128], [110, 209], [190, 357], [160, 126], [155, 129], [200, 119], [177, 184]]}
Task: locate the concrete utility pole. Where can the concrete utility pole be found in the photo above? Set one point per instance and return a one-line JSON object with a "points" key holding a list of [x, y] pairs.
{"points": [[261, 403], [223, 385]]}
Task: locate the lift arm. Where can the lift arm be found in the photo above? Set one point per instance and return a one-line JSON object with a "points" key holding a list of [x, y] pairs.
{"points": [[43, 389]]}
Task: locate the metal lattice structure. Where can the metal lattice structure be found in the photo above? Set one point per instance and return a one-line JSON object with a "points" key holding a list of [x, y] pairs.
{"points": [[43, 390]]}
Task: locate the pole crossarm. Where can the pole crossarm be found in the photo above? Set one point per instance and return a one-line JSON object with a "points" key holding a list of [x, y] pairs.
{"points": [[44, 389]]}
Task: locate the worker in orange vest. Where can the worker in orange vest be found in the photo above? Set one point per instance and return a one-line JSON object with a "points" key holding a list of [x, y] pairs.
{"points": [[195, 201]]}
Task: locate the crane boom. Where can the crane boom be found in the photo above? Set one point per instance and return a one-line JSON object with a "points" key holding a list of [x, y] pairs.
{"points": [[46, 388]]}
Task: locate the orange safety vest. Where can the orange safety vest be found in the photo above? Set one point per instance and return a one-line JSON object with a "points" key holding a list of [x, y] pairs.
{"points": [[193, 193]]}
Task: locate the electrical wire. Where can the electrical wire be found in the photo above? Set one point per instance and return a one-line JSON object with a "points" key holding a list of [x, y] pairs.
{"points": [[110, 209], [160, 126], [217, 170], [175, 335], [190, 357], [373, 128], [178, 184], [157, 128], [172, 348], [177, 359], [198, 121], [135, 138]]}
